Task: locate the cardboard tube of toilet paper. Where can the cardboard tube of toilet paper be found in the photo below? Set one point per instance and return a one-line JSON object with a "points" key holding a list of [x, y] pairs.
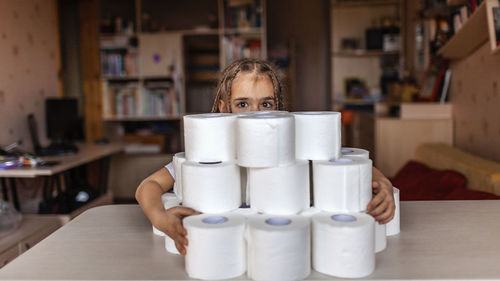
{"points": [[342, 185], [211, 187], [282, 190], [279, 247], [216, 247], [317, 135], [178, 159], [265, 140], [210, 137], [393, 227], [343, 244], [355, 152]]}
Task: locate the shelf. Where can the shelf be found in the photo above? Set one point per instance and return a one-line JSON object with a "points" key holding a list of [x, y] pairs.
{"points": [[363, 3], [364, 53], [140, 118], [473, 33], [120, 78], [355, 102], [249, 30]]}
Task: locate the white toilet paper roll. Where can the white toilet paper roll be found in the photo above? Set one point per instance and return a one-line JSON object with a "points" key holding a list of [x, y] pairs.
{"points": [[170, 245], [343, 244], [342, 185], [317, 135], [392, 227], [169, 200], [282, 190], [178, 159], [380, 237], [355, 152], [211, 188], [309, 212], [210, 137], [216, 247], [265, 140], [245, 212], [279, 247]]}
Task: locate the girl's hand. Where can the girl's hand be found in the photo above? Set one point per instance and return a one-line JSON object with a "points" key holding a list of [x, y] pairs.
{"points": [[170, 222], [382, 206]]}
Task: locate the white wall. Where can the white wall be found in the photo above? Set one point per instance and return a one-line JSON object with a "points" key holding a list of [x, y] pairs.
{"points": [[29, 56]]}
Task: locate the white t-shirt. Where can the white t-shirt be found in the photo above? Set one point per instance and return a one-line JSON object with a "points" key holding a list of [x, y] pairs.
{"points": [[170, 168]]}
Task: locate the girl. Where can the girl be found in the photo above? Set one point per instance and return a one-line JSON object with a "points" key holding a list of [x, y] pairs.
{"points": [[245, 85]]}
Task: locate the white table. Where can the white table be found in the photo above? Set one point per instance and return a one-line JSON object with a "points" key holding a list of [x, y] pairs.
{"points": [[86, 154], [439, 240]]}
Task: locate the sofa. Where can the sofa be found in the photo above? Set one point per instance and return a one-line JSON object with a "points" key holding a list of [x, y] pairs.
{"points": [[443, 172]]}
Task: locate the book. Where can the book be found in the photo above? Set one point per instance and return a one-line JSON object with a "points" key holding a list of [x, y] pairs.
{"points": [[496, 20], [446, 86]]}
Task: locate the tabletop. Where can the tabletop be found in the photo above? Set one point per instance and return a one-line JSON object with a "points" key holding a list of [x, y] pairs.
{"points": [[86, 153], [438, 240]]}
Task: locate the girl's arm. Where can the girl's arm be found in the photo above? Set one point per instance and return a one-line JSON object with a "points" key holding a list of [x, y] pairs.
{"points": [[382, 205], [148, 194]]}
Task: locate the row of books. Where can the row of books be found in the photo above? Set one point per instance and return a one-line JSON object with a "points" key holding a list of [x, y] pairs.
{"points": [[132, 100], [119, 64], [243, 14], [237, 48]]}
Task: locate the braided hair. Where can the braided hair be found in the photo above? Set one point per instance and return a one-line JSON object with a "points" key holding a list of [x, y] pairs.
{"points": [[252, 66]]}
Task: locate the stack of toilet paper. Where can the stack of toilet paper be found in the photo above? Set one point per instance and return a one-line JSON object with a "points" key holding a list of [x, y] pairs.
{"points": [[268, 160]]}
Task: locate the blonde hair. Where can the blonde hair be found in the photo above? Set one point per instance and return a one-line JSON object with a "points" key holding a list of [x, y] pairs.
{"points": [[254, 66]]}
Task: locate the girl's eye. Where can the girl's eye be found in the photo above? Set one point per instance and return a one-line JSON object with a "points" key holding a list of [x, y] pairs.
{"points": [[267, 104], [242, 104]]}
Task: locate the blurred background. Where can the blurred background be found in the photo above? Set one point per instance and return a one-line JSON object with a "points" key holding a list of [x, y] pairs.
{"points": [[401, 72]]}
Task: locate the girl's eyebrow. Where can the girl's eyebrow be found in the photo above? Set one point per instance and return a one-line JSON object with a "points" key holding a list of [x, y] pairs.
{"points": [[240, 99], [268, 98]]}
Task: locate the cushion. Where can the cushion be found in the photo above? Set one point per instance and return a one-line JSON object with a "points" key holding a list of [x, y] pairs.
{"points": [[417, 181]]}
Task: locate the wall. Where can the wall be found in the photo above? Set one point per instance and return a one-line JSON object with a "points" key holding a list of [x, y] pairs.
{"points": [[475, 95], [29, 56], [307, 23]]}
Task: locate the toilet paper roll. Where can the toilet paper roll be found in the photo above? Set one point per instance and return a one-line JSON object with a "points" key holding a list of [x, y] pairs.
{"points": [[170, 246], [309, 212], [393, 227], [343, 245], [211, 188], [210, 137], [282, 190], [317, 135], [265, 140], [355, 152], [279, 247], [216, 247], [178, 159], [380, 237], [169, 200], [342, 185], [245, 212]]}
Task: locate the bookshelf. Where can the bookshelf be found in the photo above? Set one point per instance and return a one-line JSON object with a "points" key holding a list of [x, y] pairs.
{"points": [[354, 55], [478, 29], [160, 60]]}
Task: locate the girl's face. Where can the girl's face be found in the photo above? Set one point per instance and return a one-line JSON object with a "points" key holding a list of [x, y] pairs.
{"points": [[250, 92]]}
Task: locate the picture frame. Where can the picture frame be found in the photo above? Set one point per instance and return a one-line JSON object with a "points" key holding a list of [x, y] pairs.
{"points": [[432, 80]]}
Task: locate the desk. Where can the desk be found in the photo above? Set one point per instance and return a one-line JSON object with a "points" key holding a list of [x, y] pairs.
{"points": [[439, 240], [86, 153]]}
